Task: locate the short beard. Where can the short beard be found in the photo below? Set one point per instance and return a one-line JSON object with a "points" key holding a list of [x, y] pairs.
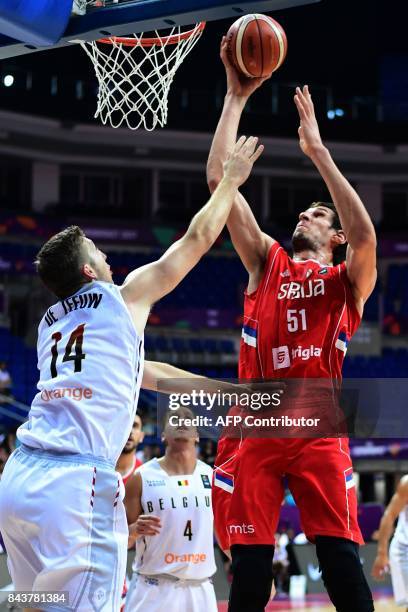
{"points": [[302, 242]]}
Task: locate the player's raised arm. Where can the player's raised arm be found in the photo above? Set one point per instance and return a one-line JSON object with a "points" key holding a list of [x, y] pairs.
{"points": [[355, 221], [250, 242], [165, 378], [153, 281], [397, 503]]}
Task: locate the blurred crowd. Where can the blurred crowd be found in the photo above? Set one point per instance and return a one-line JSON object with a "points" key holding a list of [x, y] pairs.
{"points": [[6, 382]]}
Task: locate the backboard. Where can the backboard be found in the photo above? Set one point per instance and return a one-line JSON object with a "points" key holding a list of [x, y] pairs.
{"points": [[44, 24]]}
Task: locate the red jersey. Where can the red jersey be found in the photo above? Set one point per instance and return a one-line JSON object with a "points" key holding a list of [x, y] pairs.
{"points": [[298, 322], [297, 325], [136, 463]]}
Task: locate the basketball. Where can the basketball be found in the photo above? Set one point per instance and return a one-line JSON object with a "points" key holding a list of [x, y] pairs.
{"points": [[257, 45]]}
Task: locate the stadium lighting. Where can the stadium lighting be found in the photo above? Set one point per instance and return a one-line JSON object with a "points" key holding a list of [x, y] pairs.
{"points": [[335, 112], [8, 80]]}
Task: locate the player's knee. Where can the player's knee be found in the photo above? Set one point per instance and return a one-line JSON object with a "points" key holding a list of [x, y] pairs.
{"points": [[343, 574], [252, 577]]}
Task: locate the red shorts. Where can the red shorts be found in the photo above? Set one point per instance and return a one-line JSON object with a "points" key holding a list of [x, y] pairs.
{"points": [[248, 488]]}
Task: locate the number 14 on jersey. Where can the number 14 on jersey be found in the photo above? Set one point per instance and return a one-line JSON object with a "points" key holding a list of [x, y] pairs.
{"points": [[75, 341]]}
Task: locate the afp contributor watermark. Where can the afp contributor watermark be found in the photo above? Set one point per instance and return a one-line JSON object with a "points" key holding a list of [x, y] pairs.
{"points": [[248, 421]]}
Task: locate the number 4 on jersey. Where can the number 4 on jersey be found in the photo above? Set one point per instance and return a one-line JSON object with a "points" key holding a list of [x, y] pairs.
{"points": [[76, 339], [188, 533]]}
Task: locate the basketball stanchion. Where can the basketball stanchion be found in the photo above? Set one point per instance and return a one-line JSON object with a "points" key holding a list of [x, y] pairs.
{"points": [[135, 74]]}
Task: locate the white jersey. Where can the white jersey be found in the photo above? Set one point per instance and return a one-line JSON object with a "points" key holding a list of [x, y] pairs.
{"points": [[90, 358], [184, 547], [401, 532]]}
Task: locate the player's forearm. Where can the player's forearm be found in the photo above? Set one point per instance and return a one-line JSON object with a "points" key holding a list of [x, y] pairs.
{"points": [[224, 138], [384, 534], [251, 244], [165, 378], [208, 223], [354, 218], [168, 379], [242, 226], [168, 375]]}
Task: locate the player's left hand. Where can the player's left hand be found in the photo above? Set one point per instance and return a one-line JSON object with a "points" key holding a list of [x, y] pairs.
{"points": [[146, 525], [380, 567], [309, 135]]}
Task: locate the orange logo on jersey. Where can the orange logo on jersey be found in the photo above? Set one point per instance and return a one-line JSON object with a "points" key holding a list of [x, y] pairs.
{"points": [[188, 558], [75, 393]]}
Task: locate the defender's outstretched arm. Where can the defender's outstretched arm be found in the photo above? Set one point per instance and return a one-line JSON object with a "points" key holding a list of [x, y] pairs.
{"points": [[146, 285]]}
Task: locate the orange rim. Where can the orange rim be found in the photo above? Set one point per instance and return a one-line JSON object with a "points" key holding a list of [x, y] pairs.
{"points": [[151, 42]]}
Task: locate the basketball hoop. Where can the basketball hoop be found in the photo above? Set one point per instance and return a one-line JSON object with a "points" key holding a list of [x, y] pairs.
{"points": [[135, 74]]}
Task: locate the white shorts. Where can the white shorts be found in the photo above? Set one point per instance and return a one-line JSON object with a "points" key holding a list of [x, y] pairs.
{"points": [[64, 527], [151, 594], [399, 571]]}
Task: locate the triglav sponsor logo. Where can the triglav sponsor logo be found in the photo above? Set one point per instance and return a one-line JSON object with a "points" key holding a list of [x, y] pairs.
{"points": [[241, 528], [187, 558], [280, 357], [306, 353], [295, 291], [75, 393]]}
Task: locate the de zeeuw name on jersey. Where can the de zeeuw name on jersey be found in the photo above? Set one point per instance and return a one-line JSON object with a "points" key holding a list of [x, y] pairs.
{"points": [[294, 291], [76, 302]]}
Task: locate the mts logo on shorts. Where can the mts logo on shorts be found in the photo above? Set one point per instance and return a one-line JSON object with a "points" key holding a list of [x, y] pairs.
{"points": [[245, 529]]}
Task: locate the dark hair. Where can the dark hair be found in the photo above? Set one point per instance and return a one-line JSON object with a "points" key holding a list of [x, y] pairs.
{"points": [[339, 253], [59, 262]]}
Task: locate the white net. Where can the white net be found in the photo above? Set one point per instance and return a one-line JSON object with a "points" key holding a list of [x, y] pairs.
{"points": [[135, 75], [79, 7]]}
